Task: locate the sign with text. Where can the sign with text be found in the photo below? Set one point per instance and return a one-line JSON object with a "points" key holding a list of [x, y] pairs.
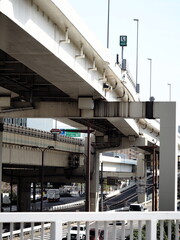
{"points": [[123, 41], [73, 134], [66, 132]]}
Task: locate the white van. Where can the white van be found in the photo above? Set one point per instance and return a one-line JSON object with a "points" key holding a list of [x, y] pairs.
{"points": [[53, 195], [74, 232]]}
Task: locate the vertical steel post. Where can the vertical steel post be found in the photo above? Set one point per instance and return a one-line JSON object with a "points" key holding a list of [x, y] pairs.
{"points": [[42, 179], [153, 193], [11, 192], [108, 24], [122, 54], [137, 44], [88, 173], [150, 78], [34, 195], [169, 84], [156, 181], [101, 186]]}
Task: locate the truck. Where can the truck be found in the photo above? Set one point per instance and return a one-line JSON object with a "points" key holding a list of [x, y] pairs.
{"points": [[53, 195]]}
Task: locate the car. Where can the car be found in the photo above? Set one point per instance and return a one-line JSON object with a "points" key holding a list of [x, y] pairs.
{"points": [[137, 207], [74, 232], [119, 222], [123, 209], [92, 234]]}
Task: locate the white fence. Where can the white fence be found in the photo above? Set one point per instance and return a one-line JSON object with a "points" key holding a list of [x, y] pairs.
{"points": [[58, 224]]}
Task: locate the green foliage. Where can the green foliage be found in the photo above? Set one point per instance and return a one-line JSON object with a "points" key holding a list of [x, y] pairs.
{"points": [[165, 237], [135, 235], [166, 230]]}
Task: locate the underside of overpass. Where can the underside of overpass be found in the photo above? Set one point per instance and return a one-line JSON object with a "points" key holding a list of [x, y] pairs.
{"points": [[24, 87], [12, 173]]}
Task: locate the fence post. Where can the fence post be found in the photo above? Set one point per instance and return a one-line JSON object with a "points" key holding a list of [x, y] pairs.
{"points": [[151, 229], [56, 230]]}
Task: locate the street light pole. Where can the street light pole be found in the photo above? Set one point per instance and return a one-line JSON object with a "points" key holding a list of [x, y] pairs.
{"points": [[137, 45], [87, 205], [42, 173], [101, 186], [150, 60], [108, 24], [169, 84], [42, 178]]}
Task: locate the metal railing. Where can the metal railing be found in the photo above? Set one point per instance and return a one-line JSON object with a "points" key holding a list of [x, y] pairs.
{"points": [[65, 206], [41, 134], [21, 225]]}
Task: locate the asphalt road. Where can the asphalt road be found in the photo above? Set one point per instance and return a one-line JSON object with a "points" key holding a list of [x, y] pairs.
{"points": [[46, 204]]}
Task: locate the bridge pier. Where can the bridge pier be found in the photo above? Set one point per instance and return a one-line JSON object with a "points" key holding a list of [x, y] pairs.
{"points": [[141, 178], [24, 196], [168, 157], [94, 190]]}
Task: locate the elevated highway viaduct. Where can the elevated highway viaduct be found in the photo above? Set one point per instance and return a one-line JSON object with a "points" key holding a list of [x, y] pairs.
{"points": [[30, 155], [52, 66], [64, 160]]}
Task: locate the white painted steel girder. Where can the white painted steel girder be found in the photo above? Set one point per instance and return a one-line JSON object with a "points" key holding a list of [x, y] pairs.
{"points": [[49, 38]]}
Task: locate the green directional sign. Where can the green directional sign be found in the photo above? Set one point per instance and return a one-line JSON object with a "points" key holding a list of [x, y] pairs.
{"points": [[73, 134], [123, 41]]}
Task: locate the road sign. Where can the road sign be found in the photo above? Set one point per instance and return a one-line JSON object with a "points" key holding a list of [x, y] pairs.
{"points": [[73, 134], [123, 41], [55, 130], [62, 132], [67, 132]]}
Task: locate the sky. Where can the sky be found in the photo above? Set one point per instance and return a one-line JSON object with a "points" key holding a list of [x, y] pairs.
{"points": [[159, 39], [46, 124]]}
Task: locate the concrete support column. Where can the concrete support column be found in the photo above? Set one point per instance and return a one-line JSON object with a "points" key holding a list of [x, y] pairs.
{"points": [[24, 196], [34, 197], [94, 189], [141, 178], [168, 157], [140, 166], [1, 143]]}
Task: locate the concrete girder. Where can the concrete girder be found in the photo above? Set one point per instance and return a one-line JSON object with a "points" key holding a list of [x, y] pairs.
{"points": [[28, 157], [108, 110], [51, 174], [44, 27], [135, 110]]}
